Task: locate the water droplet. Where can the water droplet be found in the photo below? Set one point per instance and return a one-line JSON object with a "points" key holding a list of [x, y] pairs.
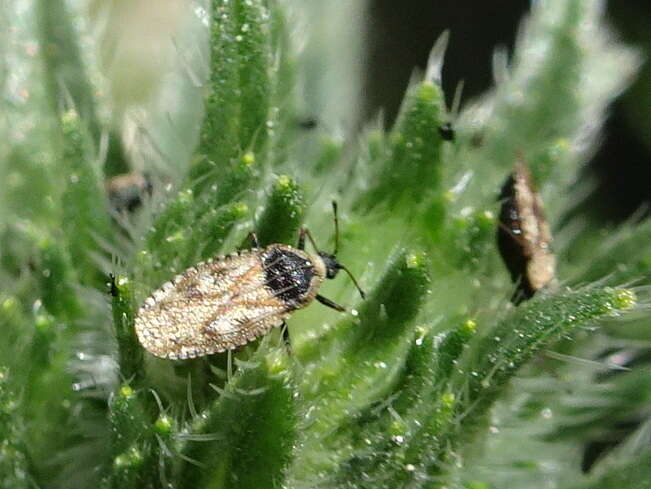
{"points": [[202, 15]]}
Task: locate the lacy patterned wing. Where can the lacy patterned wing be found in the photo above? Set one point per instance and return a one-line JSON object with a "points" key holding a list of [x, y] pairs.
{"points": [[212, 307]]}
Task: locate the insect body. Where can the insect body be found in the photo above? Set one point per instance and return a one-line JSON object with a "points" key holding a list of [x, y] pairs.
{"points": [[524, 237], [126, 192], [228, 301]]}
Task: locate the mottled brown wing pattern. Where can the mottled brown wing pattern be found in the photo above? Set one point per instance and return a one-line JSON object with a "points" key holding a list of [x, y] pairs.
{"points": [[214, 306], [541, 262], [524, 237]]}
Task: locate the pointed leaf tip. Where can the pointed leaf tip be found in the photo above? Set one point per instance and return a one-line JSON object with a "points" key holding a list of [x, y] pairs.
{"points": [[436, 57]]}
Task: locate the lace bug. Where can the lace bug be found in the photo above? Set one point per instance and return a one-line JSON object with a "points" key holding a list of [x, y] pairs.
{"points": [[228, 301]]}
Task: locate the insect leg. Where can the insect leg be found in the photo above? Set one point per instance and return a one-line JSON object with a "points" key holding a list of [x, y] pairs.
{"points": [[517, 237], [329, 303], [301, 239], [229, 365], [254, 239], [285, 333]]}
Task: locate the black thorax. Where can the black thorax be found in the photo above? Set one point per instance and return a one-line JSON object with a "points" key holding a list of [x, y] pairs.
{"points": [[287, 274]]}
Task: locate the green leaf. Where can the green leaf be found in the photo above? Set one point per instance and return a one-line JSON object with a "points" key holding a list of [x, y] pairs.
{"points": [[358, 367], [411, 169], [503, 350], [133, 445], [238, 106], [85, 216], [246, 439], [14, 465], [283, 213]]}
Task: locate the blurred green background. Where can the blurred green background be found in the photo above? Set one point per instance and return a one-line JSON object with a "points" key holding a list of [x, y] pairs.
{"points": [[399, 38]]}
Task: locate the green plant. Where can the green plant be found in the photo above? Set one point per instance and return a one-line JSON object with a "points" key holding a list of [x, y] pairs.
{"points": [[409, 389]]}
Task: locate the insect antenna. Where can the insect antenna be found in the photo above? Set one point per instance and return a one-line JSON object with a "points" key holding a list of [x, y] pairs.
{"points": [[361, 292], [334, 211], [336, 250]]}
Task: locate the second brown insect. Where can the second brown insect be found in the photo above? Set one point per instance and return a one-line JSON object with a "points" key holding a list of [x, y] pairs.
{"points": [[524, 237]]}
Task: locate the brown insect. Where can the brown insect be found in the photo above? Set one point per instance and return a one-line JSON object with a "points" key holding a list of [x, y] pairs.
{"points": [[523, 236], [127, 191], [228, 301]]}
